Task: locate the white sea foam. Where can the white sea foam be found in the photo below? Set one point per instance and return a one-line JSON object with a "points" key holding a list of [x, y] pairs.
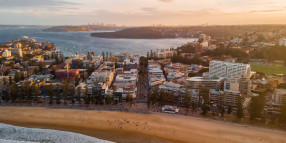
{"points": [[14, 134]]}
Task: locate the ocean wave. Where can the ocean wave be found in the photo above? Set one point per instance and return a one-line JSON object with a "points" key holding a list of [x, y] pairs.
{"points": [[14, 134]]}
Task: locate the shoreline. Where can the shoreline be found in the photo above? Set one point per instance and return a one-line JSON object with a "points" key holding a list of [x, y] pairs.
{"points": [[131, 127]]}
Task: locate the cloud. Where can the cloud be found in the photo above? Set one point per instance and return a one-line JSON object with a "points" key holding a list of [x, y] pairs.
{"points": [[165, 0], [36, 12], [149, 9], [266, 3], [269, 10], [14, 4]]}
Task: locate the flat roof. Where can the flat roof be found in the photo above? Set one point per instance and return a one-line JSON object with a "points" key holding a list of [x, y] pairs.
{"points": [[198, 78]]}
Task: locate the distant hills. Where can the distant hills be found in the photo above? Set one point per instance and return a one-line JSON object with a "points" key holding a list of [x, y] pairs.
{"points": [[142, 33], [81, 28], [132, 33], [220, 32]]}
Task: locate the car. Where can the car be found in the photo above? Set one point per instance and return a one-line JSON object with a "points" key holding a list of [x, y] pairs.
{"points": [[40, 100]]}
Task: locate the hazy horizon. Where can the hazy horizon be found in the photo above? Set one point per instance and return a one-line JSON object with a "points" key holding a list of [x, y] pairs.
{"points": [[142, 12]]}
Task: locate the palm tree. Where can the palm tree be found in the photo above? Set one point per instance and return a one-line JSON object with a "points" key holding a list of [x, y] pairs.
{"points": [[65, 90], [78, 94], [58, 94], [51, 93]]}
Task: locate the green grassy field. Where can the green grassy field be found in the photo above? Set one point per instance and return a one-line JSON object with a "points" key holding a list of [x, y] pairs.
{"points": [[268, 69]]}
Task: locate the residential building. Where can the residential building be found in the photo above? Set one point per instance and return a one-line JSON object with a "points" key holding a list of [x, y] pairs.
{"points": [[100, 89], [205, 83], [282, 42], [16, 51], [245, 87], [228, 69], [279, 96], [226, 98], [7, 53], [155, 74], [18, 45], [101, 76], [63, 73], [81, 88]]}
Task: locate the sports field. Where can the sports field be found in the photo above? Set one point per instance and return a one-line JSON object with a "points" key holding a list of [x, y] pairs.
{"points": [[268, 69]]}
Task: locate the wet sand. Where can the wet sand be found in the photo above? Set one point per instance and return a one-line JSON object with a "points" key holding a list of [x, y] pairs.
{"points": [[130, 127]]}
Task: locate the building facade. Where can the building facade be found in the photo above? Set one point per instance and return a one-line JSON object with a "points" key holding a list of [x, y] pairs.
{"points": [[228, 69]]}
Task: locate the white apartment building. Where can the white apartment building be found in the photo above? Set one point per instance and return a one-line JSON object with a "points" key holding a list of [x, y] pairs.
{"points": [[228, 69], [282, 42], [101, 76], [7, 54], [226, 97]]}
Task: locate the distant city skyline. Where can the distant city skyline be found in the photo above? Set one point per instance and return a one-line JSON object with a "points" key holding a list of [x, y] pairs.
{"points": [[142, 12]]}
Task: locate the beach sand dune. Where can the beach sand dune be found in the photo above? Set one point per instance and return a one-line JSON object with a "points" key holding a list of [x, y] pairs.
{"points": [[130, 127]]}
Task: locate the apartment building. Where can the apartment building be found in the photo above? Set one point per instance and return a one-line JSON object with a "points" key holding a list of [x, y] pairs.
{"points": [[155, 74], [282, 42], [226, 98], [279, 96], [205, 83], [228, 69]]}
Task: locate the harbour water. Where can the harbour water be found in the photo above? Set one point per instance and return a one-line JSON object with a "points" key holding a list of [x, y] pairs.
{"points": [[81, 42]]}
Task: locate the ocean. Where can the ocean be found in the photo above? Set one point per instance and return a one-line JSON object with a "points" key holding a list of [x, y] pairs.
{"points": [[81, 42], [15, 134]]}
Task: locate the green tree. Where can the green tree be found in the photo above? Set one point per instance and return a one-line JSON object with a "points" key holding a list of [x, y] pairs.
{"points": [[194, 106], [108, 99], [239, 108], [282, 116], [256, 107], [154, 95], [72, 92], [205, 109], [86, 97], [51, 93], [65, 90], [78, 93], [222, 111], [229, 109], [148, 98], [14, 91], [37, 92], [187, 99], [129, 98], [103, 56], [58, 95], [163, 97], [17, 76]]}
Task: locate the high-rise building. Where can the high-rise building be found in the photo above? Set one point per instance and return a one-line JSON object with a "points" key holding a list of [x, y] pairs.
{"points": [[228, 69]]}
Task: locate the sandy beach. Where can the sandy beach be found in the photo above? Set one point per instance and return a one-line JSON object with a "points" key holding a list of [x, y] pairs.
{"points": [[130, 127]]}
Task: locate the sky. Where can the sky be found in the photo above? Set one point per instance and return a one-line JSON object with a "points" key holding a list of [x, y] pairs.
{"points": [[142, 12]]}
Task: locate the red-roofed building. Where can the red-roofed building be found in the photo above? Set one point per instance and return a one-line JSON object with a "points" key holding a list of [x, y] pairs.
{"points": [[63, 73]]}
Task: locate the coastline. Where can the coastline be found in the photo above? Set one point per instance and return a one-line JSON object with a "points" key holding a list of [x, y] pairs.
{"points": [[131, 127]]}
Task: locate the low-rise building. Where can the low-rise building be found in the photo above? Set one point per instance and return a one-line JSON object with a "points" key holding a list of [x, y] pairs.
{"points": [[155, 74], [205, 83]]}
